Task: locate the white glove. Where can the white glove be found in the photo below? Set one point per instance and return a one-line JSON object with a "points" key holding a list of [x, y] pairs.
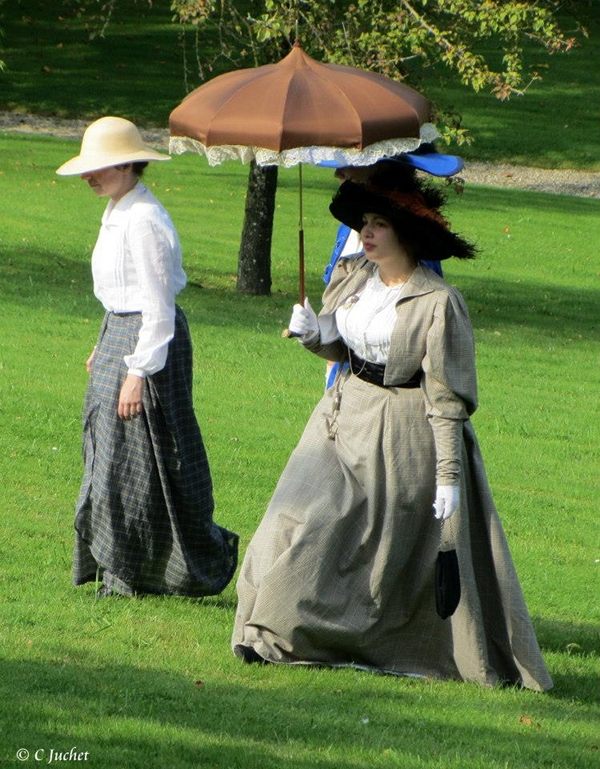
{"points": [[446, 502], [303, 322]]}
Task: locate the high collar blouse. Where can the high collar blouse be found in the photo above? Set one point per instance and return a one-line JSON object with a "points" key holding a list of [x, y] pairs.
{"points": [[137, 267], [365, 322]]}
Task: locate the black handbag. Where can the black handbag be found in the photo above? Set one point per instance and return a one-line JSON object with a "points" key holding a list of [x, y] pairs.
{"points": [[447, 583]]}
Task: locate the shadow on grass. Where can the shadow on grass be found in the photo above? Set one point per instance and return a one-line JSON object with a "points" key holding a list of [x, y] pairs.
{"points": [[123, 715], [36, 279], [555, 311], [577, 640], [572, 638]]}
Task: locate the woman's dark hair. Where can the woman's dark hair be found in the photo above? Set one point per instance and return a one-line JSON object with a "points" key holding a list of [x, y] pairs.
{"points": [[412, 206], [404, 179], [138, 168]]}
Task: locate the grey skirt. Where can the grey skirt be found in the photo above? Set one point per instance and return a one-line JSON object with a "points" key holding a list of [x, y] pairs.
{"points": [[144, 516]]}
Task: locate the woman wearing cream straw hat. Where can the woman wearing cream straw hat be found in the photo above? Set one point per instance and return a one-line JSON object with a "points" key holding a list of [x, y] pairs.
{"points": [[144, 516]]}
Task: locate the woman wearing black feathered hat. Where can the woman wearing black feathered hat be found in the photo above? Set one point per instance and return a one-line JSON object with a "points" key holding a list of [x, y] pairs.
{"points": [[388, 473]]}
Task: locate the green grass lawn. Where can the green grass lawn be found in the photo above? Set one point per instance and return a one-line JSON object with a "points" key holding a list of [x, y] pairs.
{"points": [[152, 682]]}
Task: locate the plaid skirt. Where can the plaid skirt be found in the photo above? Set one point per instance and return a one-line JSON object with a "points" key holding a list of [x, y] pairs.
{"points": [[144, 516]]}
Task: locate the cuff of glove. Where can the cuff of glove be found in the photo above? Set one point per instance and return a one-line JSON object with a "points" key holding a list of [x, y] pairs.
{"points": [[310, 337]]}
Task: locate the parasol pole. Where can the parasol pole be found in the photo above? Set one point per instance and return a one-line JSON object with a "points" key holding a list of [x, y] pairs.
{"points": [[286, 333], [301, 286]]}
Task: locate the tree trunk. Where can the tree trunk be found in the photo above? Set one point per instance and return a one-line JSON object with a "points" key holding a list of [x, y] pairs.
{"points": [[254, 260]]}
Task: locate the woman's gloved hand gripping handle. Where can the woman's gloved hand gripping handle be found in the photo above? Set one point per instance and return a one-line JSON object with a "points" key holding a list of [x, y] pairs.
{"points": [[303, 322]]}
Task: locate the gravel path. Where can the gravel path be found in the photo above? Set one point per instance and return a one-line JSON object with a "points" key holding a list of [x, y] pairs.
{"points": [[559, 182]]}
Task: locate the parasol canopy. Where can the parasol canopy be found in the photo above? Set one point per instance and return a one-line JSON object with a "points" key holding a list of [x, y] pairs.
{"points": [[301, 111]]}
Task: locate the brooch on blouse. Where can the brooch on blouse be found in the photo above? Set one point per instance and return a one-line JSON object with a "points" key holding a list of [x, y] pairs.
{"points": [[350, 301]]}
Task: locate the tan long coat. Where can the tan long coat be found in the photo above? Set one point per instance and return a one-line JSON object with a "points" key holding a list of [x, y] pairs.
{"points": [[341, 568]]}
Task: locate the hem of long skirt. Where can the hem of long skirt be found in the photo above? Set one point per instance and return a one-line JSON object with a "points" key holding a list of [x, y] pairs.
{"points": [[139, 591], [520, 684], [364, 668], [249, 654], [232, 543]]}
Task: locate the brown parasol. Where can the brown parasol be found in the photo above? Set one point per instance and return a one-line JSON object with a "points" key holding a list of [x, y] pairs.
{"points": [[301, 111]]}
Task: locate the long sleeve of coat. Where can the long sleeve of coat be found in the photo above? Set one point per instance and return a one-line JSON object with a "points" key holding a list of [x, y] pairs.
{"points": [[449, 382]]}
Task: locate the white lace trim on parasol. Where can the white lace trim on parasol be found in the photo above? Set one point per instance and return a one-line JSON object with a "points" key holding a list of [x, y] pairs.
{"points": [[309, 155]]}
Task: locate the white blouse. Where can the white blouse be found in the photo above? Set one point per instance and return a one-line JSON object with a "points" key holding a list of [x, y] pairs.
{"points": [[365, 321], [137, 267]]}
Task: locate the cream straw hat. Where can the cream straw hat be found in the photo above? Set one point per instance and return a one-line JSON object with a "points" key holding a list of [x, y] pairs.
{"points": [[108, 142]]}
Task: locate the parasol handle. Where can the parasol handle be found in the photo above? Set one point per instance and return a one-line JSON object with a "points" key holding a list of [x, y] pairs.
{"points": [[301, 280], [286, 333]]}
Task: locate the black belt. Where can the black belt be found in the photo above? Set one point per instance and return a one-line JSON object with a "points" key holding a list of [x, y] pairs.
{"points": [[374, 373], [126, 314]]}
